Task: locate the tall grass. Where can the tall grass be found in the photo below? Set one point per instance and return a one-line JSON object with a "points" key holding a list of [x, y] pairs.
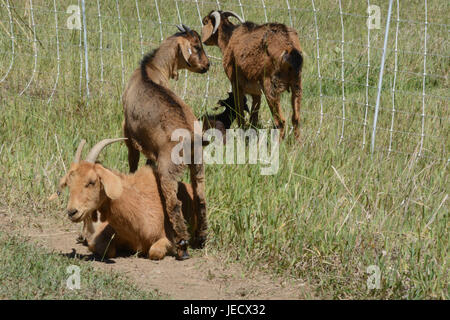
{"points": [[332, 210]]}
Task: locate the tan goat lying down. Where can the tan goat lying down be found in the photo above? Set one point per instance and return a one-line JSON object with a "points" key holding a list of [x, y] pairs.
{"points": [[128, 207]]}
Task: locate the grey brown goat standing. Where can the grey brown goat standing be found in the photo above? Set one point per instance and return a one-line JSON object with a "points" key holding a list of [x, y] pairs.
{"points": [[257, 58], [153, 112]]}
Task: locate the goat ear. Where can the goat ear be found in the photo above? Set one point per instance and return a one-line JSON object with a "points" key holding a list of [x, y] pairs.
{"points": [[207, 30], [62, 185], [186, 51], [111, 182], [63, 182]]}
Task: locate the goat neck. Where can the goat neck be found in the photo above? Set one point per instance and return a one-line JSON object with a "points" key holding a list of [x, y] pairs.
{"points": [[225, 31], [163, 63]]}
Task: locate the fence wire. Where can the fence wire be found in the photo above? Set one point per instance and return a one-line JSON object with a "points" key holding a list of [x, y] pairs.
{"points": [[51, 49]]}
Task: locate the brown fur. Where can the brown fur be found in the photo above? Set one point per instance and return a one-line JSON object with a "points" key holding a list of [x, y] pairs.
{"points": [[257, 58], [152, 112], [126, 206]]}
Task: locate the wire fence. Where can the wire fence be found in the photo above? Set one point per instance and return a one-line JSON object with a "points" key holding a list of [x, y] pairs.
{"points": [[372, 69]]}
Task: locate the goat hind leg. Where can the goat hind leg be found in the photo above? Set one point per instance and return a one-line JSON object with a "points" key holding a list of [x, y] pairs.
{"points": [[169, 189]]}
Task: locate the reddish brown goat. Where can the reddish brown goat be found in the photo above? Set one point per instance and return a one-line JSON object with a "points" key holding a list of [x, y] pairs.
{"points": [[129, 207], [257, 58], [152, 113]]}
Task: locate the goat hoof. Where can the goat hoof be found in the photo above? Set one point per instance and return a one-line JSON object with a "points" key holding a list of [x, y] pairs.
{"points": [[81, 239], [199, 242], [182, 253]]}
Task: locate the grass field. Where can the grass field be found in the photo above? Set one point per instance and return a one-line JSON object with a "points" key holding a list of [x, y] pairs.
{"points": [[330, 212]]}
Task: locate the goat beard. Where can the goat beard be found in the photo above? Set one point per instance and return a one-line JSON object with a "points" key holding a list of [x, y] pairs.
{"points": [[83, 216]]}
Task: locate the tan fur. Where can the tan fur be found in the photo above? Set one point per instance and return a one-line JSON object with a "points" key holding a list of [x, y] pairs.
{"points": [[257, 58], [134, 215], [152, 112]]}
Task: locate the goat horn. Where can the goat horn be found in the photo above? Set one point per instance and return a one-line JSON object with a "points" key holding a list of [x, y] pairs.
{"points": [[216, 16], [186, 28], [95, 151], [77, 157], [180, 27], [231, 13]]}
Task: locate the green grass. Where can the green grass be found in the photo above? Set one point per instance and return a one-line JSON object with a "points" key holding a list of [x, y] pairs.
{"points": [[28, 272], [332, 210]]}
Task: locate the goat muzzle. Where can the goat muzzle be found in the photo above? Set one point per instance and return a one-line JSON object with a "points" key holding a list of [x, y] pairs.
{"points": [[71, 212]]}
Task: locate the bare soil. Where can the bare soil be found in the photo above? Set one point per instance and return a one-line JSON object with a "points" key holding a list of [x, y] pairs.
{"points": [[203, 276]]}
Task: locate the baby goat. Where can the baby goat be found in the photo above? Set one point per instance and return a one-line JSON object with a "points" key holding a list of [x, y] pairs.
{"points": [[128, 207], [223, 120], [258, 58], [152, 113]]}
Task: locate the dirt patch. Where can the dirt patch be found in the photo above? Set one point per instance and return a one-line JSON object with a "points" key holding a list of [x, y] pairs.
{"points": [[204, 276]]}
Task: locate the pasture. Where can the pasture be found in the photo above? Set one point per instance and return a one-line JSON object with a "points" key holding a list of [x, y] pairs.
{"points": [[331, 211]]}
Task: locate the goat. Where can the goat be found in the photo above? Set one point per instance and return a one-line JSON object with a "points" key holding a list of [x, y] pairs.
{"points": [[128, 206], [223, 120], [152, 112], [258, 58]]}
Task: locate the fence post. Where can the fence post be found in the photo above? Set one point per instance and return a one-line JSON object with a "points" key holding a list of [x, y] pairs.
{"points": [[380, 78], [86, 57]]}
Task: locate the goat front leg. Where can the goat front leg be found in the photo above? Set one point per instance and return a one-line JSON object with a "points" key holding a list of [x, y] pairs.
{"points": [[273, 100], [159, 249], [133, 158], [133, 153], [239, 99], [103, 247], [167, 172], [256, 103], [200, 228], [296, 99]]}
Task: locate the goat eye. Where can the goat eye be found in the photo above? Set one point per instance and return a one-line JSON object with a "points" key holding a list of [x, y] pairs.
{"points": [[90, 183]]}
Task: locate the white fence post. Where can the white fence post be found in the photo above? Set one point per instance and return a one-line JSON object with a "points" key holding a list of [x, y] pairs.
{"points": [[380, 78], [86, 57], [8, 7]]}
